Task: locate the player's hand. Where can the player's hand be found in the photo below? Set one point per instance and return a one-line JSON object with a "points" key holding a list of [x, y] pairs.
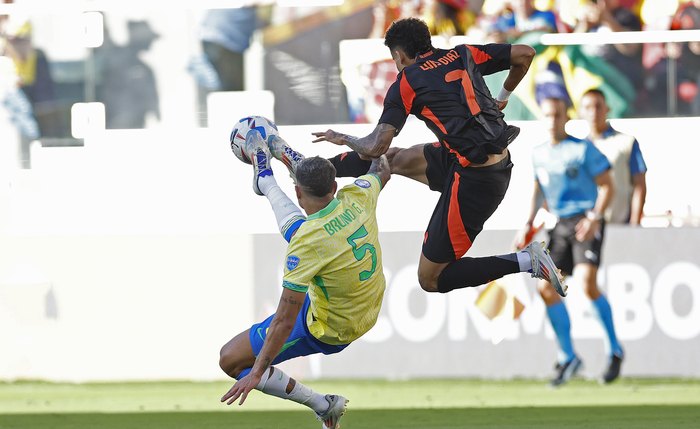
{"points": [[586, 229], [328, 136], [501, 104], [524, 236], [241, 389], [519, 242]]}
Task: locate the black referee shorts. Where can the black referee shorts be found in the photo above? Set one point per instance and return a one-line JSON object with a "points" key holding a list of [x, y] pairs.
{"points": [[567, 252]]}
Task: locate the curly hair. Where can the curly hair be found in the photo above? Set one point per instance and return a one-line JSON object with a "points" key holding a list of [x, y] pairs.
{"points": [[411, 35], [316, 176]]}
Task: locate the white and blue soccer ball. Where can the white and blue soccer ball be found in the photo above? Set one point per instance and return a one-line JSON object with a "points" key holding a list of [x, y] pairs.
{"points": [[265, 126]]}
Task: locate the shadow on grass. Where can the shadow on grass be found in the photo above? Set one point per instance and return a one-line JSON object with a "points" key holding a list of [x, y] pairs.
{"points": [[627, 417]]}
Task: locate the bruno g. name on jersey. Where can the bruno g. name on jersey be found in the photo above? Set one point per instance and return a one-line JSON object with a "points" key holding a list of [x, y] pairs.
{"points": [[342, 220]]}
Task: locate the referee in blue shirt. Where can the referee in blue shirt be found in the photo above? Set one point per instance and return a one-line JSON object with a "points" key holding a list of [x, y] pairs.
{"points": [[573, 177]]}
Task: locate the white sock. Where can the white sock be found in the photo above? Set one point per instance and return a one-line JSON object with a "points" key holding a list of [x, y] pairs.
{"points": [[286, 212], [275, 383], [524, 261], [266, 182]]}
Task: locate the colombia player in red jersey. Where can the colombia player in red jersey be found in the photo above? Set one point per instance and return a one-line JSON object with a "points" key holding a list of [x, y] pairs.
{"points": [[470, 165]]}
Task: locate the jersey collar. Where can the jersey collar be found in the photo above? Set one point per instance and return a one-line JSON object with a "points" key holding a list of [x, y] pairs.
{"points": [[325, 211], [609, 131], [424, 55]]}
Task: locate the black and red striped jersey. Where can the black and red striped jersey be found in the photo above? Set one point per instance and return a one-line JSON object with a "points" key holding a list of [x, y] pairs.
{"points": [[446, 90]]}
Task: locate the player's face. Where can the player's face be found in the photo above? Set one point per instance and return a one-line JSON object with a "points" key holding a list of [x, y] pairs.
{"points": [[593, 110], [554, 112]]}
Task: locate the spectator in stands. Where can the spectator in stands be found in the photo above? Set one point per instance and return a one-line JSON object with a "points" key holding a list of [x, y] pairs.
{"points": [[526, 18], [517, 18], [611, 16], [14, 104], [623, 152], [225, 35], [128, 85], [687, 69], [387, 11], [33, 70], [688, 18], [449, 17]]}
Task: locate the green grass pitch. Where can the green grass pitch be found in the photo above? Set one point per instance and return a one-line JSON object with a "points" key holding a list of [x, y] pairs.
{"points": [[424, 404]]}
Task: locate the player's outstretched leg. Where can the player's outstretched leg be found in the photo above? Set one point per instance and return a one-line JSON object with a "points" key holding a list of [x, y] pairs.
{"points": [[470, 272], [288, 215], [281, 150], [237, 358], [349, 164], [331, 417]]}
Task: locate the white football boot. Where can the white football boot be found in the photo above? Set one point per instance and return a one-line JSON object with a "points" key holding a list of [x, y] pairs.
{"points": [[331, 417], [543, 267], [259, 154], [281, 150]]}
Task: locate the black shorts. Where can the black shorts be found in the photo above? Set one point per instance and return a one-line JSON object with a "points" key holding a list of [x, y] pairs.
{"points": [[567, 252], [469, 197]]}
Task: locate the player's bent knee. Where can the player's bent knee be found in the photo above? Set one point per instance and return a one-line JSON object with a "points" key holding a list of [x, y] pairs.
{"points": [[225, 360], [230, 365], [229, 360], [427, 283], [394, 163], [405, 162]]}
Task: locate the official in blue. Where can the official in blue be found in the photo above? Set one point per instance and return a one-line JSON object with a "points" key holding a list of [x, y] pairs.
{"points": [[625, 156], [573, 178]]}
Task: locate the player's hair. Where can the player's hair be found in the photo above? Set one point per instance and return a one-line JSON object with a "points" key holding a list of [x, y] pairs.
{"points": [[595, 91], [411, 35], [316, 176], [556, 100]]}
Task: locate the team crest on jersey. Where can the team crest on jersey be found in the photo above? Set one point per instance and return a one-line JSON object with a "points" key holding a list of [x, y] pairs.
{"points": [[292, 262], [362, 183]]}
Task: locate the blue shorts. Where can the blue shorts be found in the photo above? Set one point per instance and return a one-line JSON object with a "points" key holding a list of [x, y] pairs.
{"points": [[299, 343]]}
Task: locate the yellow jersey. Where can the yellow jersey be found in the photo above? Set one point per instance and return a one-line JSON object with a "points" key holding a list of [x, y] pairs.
{"points": [[335, 257]]}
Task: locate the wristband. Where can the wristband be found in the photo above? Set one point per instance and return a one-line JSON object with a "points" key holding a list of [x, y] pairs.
{"points": [[503, 95], [591, 215]]}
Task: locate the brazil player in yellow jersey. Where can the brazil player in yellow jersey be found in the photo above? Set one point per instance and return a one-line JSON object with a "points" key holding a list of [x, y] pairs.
{"points": [[333, 280]]}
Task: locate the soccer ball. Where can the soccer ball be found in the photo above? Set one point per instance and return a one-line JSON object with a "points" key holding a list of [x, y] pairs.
{"points": [[265, 126]]}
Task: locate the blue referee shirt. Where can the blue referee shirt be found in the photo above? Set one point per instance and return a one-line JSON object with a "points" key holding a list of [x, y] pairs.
{"points": [[566, 174]]}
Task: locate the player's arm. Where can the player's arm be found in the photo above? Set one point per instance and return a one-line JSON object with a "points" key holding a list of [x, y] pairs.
{"points": [[378, 141], [590, 225], [380, 168], [371, 146], [528, 231], [638, 168], [281, 326], [639, 196], [606, 191], [520, 59]]}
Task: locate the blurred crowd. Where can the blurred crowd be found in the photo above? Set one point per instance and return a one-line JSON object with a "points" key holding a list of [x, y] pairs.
{"points": [[37, 91], [644, 65]]}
